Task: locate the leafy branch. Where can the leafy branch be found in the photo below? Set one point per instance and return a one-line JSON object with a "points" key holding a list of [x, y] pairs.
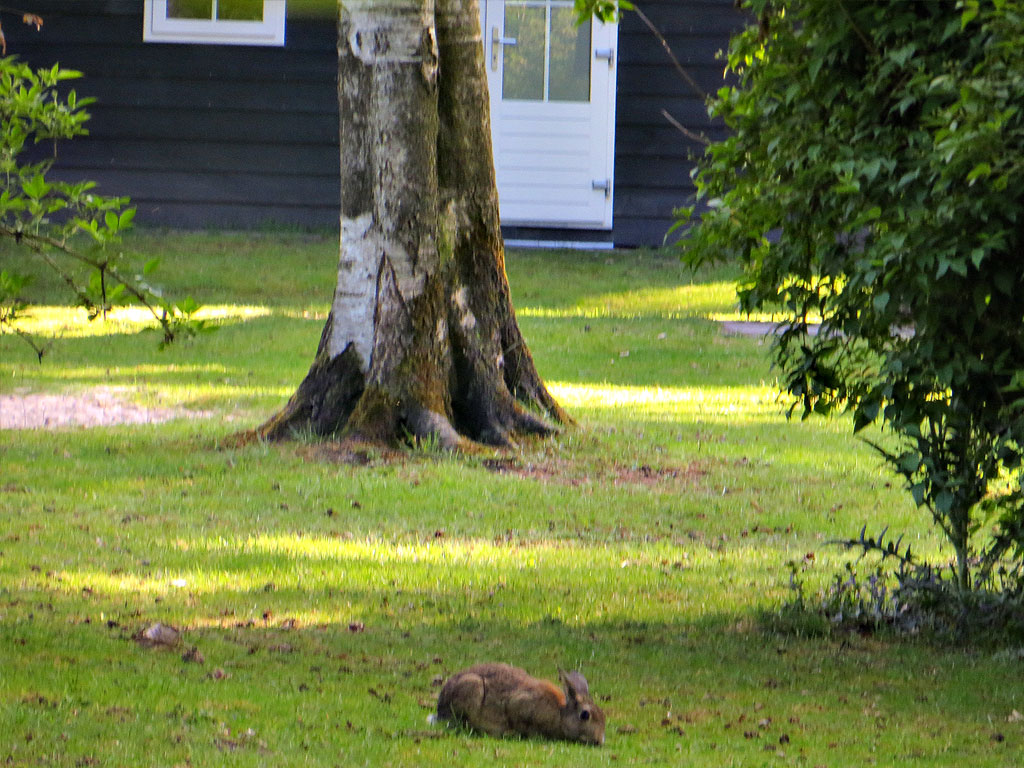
{"points": [[873, 178], [886, 549], [66, 227]]}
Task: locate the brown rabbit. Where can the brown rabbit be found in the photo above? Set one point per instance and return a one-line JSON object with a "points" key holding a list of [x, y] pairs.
{"points": [[498, 699]]}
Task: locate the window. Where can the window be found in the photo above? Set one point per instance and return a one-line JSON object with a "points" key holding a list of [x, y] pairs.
{"points": [[214, 22], [546, 55]]}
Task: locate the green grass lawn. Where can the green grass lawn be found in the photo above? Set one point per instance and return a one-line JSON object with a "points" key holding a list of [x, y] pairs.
{"points": [[329, 600]]}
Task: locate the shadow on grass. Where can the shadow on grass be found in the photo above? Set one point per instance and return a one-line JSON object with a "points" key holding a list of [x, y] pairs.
{"points": [[273, 687]]}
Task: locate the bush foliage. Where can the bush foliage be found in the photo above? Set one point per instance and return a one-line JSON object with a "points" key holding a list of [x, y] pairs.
{"points": [[67, 226], [873, 182]]}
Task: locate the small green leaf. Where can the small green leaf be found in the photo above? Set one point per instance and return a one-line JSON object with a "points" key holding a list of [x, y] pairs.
{"points": [[36, 187], [969, 14], [981, 169], [917, 492], [870, 169]]}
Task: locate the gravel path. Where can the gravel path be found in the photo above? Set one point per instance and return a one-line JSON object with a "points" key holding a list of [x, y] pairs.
{"points": [[756, 328], [101, 406]]}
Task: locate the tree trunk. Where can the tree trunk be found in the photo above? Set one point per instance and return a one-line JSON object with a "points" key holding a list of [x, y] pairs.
{"points": [[421, 339]]}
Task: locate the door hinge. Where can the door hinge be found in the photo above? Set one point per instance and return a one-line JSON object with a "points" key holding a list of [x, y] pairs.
{"points": [[605, 53], [604, 185]]}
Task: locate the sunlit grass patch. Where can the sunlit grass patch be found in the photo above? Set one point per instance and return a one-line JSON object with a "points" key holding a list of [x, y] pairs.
{"points": [[746, 403], [712, 300], [430, 582], [74, 322], [670, 302]]}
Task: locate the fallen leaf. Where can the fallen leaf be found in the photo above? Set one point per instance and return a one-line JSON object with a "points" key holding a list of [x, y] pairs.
{"points": [[193, 655]]}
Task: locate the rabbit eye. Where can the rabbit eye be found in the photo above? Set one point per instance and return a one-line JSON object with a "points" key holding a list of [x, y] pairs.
{"points": [[585, 714]]}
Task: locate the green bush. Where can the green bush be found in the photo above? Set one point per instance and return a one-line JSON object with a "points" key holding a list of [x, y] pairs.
{"points": [[873, 182], [66, 226]]}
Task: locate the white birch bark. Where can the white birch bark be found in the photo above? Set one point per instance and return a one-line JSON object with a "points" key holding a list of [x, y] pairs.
{"points": [[388, 229]]}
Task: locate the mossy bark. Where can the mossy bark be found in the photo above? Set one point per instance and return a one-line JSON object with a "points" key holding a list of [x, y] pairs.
{"points": [[422, 338]]}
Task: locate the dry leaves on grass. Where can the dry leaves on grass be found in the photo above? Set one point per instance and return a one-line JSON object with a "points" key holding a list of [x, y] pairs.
{"points": [[554, 470]]}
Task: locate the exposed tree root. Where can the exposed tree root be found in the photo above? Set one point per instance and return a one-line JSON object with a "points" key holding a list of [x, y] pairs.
{"points": [[422, 302]]}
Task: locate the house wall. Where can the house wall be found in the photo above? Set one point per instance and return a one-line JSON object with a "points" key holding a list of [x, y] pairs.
{"points": [[224, 136], [653, 159], [198, 135]]}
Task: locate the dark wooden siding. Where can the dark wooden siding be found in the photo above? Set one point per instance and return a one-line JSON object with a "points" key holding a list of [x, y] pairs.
{"points": [[652, 158], [198, 135], [236, 136]]}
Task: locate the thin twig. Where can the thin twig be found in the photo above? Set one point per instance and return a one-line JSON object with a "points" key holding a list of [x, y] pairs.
{"points": [[684, 130], [20, 12], [668, 49], [863, 38], [52, 264], [28, 339], [37, 243]]}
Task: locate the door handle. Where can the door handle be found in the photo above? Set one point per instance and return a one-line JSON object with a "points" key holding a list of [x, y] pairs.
{"points": [[496, 42]]}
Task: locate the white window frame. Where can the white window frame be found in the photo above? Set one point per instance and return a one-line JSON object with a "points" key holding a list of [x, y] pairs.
{"points": [[158, 28]]}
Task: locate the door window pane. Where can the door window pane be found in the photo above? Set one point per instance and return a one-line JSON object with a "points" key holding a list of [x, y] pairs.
{"points": [[523, 76], [550, 57], [190, 9], [569, 65], [223, 10], [240, 10]]}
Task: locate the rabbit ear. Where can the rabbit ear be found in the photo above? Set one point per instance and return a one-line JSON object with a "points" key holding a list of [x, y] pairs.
{"points": [[575, 684]]}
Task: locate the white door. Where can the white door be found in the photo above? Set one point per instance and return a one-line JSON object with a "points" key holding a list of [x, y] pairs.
{"points": [[552, 87]]}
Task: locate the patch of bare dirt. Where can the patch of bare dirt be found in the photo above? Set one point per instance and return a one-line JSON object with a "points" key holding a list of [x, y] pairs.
{"points": [[756, 328], [354, 452], [97, 407]]}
